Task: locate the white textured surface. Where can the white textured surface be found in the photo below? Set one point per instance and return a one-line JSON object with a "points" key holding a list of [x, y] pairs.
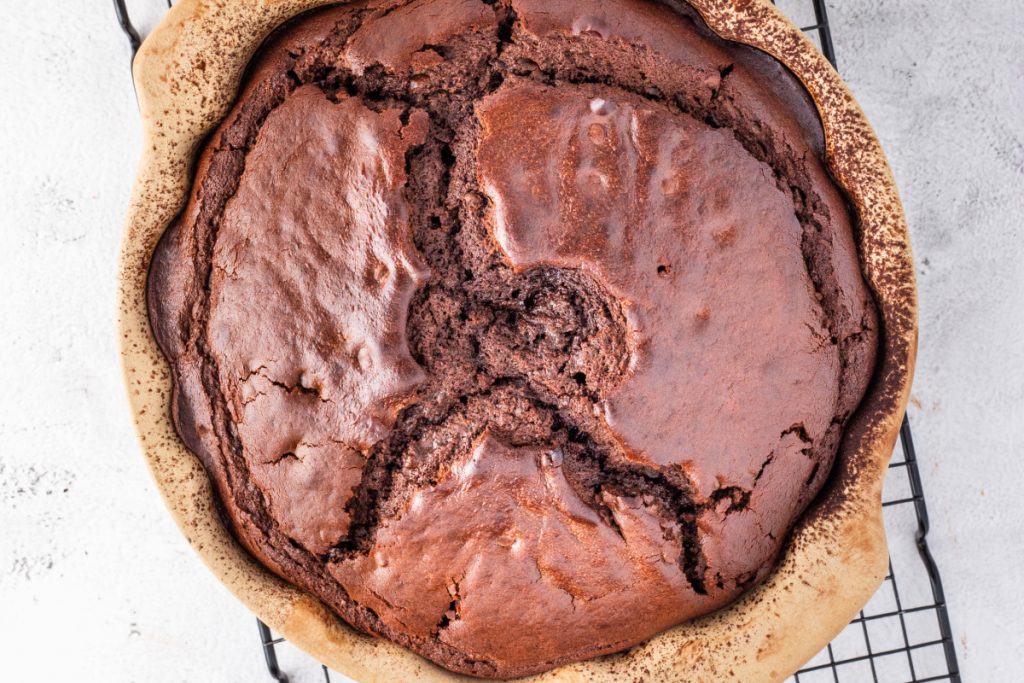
{"points": [[97, 584]]}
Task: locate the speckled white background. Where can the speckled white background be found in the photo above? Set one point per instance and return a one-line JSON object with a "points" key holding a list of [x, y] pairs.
{"points": [[97, 584]]}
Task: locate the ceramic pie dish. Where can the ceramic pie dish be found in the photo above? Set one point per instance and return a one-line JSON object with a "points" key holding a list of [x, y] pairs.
{"points": [[836, 556]]}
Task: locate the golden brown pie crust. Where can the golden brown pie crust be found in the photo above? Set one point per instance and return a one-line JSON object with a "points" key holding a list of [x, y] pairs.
{"points": [[187, 74]]}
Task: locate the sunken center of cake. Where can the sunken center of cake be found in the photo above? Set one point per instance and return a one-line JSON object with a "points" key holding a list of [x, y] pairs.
{"points": [[516, 332]]}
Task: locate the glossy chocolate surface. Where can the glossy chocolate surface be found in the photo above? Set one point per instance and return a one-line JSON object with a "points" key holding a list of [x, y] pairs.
{"points": [[515, 332]]}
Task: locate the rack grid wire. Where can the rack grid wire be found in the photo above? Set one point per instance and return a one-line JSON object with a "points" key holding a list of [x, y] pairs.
{"points": [[903, 634]]}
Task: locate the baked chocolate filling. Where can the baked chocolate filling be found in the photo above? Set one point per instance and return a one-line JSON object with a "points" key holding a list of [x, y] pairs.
{"points": [[515, 331]]}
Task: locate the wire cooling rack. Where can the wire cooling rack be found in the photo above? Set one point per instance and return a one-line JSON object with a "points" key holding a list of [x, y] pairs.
{"points": [[902, 635]]}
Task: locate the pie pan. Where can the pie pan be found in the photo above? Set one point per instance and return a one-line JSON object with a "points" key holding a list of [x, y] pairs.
{"points": [[187, 74]]}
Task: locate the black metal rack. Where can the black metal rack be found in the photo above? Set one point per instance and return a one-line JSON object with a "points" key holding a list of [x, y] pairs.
{"points": [[902, 635]]}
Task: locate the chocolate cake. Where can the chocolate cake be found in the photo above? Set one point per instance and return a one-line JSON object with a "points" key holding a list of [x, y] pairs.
{"points": [[518, 331]]}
